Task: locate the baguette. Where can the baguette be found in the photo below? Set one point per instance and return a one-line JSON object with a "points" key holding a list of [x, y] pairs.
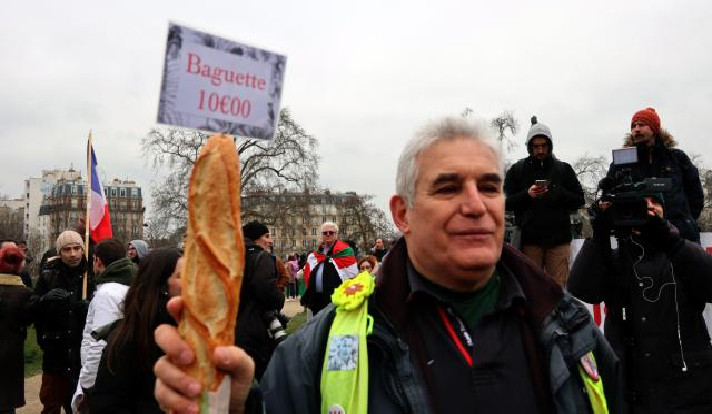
{"points": [[214, 258]]}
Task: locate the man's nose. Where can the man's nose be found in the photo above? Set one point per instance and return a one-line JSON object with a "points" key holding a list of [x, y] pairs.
{"points": [[472, 204]]}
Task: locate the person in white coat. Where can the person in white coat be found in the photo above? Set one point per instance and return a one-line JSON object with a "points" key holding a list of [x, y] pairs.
{"points": [[114, 274]]}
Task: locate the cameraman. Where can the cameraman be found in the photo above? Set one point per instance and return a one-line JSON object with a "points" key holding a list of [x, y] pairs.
{"points": [[659, 159], [655, 285]]}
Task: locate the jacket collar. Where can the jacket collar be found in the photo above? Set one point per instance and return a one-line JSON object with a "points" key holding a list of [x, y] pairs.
{"points": [[121, 271], [393, 287]]}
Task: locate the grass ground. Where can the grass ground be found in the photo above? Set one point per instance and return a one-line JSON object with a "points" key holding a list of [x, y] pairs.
{"points": [[296, 321], [33, 354]]}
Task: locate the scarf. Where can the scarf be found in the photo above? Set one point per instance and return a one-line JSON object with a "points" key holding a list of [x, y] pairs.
{"points": [[342, 257]]}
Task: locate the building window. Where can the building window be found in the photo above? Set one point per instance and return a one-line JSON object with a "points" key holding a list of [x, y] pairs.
{"points": [[75, 203], [113, 192], [123, 192]]}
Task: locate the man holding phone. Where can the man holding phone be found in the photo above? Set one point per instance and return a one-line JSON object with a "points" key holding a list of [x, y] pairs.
{"points": [[543, 191]]}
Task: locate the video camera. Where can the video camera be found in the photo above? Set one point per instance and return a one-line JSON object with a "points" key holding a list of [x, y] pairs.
{"points": [[629, 208]]}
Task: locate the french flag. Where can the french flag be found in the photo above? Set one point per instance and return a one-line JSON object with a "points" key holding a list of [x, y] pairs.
{"points": [[99, 221]]}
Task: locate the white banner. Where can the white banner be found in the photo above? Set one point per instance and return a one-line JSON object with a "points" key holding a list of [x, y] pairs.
{"points": [[218, 85]]}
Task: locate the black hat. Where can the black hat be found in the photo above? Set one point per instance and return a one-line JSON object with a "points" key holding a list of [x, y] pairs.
{"points": [[254, 230]]}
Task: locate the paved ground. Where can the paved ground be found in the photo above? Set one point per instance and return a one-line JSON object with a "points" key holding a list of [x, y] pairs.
{"points": [[32, 384]]}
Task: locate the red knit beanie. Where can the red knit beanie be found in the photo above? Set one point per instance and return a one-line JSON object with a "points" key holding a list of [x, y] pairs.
{"points": [[11, 260], [649, 117]]}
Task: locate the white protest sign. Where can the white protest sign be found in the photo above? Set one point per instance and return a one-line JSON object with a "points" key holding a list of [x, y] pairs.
{"points": [[218, 85]]}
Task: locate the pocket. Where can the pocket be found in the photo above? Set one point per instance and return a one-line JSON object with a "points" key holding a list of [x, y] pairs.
{"points": [[693, 387]]}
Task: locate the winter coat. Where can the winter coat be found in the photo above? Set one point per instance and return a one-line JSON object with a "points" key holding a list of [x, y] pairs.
{"points": [[60, 323], [14, 318], [561, 326], [128, 387], [651, 299], [259, 294], [104, 308], [684, 201], [545, 221]]}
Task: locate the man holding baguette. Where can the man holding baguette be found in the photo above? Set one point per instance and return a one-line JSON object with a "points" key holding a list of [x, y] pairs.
{"points": [[457, 322]]}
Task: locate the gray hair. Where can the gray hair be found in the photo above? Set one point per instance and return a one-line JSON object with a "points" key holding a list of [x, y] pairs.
{"points": [[446, 129], [330, 224]]}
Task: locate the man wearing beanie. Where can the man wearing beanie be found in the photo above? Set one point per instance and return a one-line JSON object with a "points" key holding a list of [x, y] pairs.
{"points": [[60, 314], [259, 295], [658, 158], [542, 192]]}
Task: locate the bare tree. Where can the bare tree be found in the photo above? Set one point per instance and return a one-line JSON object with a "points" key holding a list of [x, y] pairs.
{"points": [[289, 161], [505, 124], [365, 222], [11, 224], [590, 170]]}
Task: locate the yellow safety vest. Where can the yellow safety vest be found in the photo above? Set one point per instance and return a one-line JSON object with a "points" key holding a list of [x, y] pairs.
{"points": [[593, 383], [344, 376]]}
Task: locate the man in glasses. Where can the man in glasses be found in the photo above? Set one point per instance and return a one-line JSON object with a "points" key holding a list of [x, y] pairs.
{"points": [[327, 267]]}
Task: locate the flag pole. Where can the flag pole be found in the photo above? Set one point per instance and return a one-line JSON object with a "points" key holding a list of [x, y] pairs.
{"points": [[87, 239]]}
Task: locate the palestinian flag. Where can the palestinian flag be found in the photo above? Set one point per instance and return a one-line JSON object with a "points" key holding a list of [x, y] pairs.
{"points": [[342, 257]]}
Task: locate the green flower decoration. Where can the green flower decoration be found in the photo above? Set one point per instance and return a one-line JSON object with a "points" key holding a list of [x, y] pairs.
{"points": [[353, 291]]}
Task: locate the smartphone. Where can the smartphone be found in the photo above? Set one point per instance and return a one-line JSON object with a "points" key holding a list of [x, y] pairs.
{"points": [[541, 183]]}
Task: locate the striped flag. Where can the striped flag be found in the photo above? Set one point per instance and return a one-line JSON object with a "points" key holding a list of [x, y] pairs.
{"points": [[99, 221], [342, 257]]}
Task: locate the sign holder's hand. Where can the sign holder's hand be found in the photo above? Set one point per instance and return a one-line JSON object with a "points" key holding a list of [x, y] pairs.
{"points": [[176, 391]]}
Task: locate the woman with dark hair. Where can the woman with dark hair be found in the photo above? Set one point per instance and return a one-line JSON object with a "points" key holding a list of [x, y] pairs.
{"points": [[14, 318], [125, 380]]}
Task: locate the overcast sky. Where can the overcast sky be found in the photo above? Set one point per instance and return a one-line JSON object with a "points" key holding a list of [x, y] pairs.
{"points": [[360, 77]]}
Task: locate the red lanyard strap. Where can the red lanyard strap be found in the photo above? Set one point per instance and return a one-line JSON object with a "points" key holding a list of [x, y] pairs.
{"points": [[456, 339]]}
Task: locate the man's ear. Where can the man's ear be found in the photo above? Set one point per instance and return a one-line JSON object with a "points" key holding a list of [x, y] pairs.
{"points": [[399, 211]]}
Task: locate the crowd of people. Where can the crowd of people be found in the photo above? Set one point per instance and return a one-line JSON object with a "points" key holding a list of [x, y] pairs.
{"points": [[95, 312], [447, 318]]}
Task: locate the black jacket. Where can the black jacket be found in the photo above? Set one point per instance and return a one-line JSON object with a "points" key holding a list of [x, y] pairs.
{"points": [[684, 201], [128, 387], [545, 221], [653, 297], [258, 295], [560, 331], [14, 318], [60, 323]]}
